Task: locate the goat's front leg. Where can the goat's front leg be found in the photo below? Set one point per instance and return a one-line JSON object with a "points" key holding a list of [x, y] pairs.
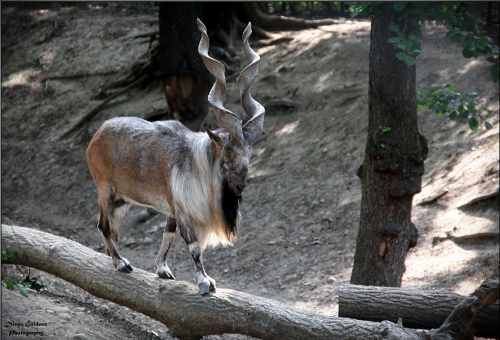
{"points": [[162, 268], [205, 282]]}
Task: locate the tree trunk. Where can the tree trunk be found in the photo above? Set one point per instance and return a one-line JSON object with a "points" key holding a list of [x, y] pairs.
{"points": [[185, 80], [177, 304], [393, 164], [417, 308]]}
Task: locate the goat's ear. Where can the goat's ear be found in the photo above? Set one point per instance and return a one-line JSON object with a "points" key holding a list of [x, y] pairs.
{"points": [[217, 143], [214, 137]]}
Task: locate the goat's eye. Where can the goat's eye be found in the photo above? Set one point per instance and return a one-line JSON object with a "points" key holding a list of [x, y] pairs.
{"points": [[227, 155]]}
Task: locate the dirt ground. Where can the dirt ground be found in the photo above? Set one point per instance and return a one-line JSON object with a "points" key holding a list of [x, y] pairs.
{"points": [[301, 206]]}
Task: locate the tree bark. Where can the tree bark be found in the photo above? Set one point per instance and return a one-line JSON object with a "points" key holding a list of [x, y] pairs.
{"points": [[417, 308], [393, 163]]}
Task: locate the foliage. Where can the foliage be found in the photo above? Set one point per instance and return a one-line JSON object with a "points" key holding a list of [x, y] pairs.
{"points": [[446, 100], [459, 17], [12, 281], [384, 128], [463, 28]]}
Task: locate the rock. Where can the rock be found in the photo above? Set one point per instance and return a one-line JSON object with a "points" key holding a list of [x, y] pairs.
{"points": [[62, 310], [65, 316], [153, 229], [291, 278], [130, 242], [143, 216], [79, 337], [330, 280], [314, 204], [152, 211], [148, 240]]}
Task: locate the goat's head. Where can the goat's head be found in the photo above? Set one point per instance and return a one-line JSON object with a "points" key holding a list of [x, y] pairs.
{"points": [[234, 142]]}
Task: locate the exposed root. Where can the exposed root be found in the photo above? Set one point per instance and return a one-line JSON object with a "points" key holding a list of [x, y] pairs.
{"points": [[89, 117], [78, 75]]}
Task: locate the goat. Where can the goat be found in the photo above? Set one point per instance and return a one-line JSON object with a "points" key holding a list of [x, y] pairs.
{"points": [[194, 178]]}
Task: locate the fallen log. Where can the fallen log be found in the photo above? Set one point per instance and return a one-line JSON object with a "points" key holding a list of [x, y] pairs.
{"points": [[177, 304], [417, 308], [187, 314]]}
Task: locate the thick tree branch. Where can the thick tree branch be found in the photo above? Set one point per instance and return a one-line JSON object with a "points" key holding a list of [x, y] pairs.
{"points": [[178, 305], [461, 322], [275, 22], [417, 308]]}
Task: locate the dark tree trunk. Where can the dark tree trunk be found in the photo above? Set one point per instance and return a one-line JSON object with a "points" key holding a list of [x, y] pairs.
{"points": [[393, 164], [489, 9], [184, 78], [417, 308]]}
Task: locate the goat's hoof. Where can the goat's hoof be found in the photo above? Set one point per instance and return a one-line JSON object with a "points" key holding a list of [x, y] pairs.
{"points": [[206, 285], [212, 283], [123, 265], [165, 273]]}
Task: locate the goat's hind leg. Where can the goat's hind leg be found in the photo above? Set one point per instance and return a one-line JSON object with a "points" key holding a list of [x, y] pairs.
{"points": [[205, 282], [162, 268], [107, 225]]}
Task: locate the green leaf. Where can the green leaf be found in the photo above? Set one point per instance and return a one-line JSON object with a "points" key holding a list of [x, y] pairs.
{"points": [[453, 115], [435, 92], [21, 253], [23, 292], [401, 55], [399, 6], [450, 88], [13, 255], [463, 115], [413, 37], [473, 123], [394, 40], [486, 109], [13, 278], [470, 104], [394, 27], [488, 125], [467, 53], [494, 73], [416, 52], [401, 46], [10, 285], [457, 102], [491, 59], [410, 61], [481, 48]]}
